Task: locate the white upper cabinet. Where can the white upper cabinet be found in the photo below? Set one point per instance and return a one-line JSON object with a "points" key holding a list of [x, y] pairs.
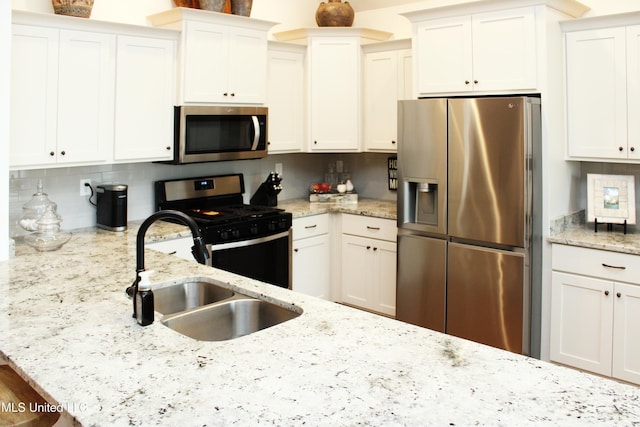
{"points": [[486, 52], [144, 99], [87, 93], [387, 79], [62, 84], [285, 97], [334, 94], [333, 79], [223, 56], [603, 89]]}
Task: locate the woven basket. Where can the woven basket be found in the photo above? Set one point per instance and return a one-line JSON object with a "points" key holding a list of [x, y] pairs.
{"points": [[81, 9]]}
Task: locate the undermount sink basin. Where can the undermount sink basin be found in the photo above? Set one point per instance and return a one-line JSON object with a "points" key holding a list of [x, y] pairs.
{"points": [[204, 311], [227, 320], [187, 295]]}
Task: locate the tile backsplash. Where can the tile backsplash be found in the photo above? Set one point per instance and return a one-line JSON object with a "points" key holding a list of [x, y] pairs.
{"points": [[368, 171]]}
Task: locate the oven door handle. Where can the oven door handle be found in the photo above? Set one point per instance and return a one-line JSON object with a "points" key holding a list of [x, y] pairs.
{"points": [[256, 133], [243, 243]]}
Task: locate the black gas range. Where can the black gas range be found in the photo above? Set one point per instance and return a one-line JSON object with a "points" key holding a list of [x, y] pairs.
{"points": [[249, 240]]}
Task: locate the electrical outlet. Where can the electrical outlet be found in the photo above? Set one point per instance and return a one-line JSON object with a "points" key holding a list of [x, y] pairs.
{"points": [[278, 169], [84, 189]]}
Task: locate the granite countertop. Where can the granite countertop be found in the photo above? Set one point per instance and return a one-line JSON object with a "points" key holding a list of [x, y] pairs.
{"points": [[366, 207], [572, 230], [66, 327]]}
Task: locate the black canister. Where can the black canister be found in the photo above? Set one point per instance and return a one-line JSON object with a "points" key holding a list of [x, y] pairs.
{"points": [[111, 203]]}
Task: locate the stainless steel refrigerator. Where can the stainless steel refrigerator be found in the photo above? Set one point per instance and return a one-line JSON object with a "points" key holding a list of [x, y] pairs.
{"points": [[468, 228]]}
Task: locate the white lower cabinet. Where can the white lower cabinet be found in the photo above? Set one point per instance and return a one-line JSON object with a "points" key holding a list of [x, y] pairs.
{"points": [[311, 256], [595, 317], [368, 271]]}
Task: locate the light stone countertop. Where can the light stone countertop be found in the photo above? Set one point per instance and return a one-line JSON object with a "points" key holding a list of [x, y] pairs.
{"points": [[66, 327], [572, 230], [366, 207]]}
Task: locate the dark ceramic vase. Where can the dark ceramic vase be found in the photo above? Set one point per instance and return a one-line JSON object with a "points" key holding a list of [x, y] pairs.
{"points": [[335, 14], [241, 7]]}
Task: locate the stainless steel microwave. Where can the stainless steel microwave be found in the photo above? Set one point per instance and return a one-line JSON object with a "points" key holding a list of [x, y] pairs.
{"points": [[215, 133]]}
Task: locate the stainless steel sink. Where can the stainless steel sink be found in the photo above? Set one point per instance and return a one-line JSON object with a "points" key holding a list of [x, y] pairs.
{"points": [[230, 319], [187, 295], [202, 310]]}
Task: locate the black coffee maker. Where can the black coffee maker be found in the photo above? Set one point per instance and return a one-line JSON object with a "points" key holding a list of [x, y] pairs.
{"points": [[111, 204], [267, 193]]}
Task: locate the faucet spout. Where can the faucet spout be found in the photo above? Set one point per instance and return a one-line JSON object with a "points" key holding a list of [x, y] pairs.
{"points": [[199, 249]]}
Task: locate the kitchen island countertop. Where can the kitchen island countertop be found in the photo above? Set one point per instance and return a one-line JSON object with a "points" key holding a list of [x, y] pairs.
{"points": [[66, 327]]}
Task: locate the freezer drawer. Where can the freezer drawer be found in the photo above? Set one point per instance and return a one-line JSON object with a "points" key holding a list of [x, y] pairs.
{"points": [[486, 296], [421, 282]]}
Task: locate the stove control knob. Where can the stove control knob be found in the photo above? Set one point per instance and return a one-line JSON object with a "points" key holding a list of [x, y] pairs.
{"points": [[272, 226], [283, 224], [235, 233], [254, 229], [224, 234]]}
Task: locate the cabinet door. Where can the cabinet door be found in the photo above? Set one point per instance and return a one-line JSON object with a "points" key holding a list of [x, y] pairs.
{"points": [[504, 50], [311, 266], [86, 86], [380, 114], [247, 66], [444, 53], [626, 345], [34, 94], [597, 93], [357, 273], [285, 98], [581, 322], [405, 74], [384, 299], [633, 90], [205, 62], [334, 93], [144, 99]]}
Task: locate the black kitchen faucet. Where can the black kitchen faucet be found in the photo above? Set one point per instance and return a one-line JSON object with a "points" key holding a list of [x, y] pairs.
{"points": [[199, 249]]}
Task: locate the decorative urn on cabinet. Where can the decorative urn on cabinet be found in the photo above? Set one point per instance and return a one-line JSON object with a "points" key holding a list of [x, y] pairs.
{"points": [[79, 8], [335, 13]]}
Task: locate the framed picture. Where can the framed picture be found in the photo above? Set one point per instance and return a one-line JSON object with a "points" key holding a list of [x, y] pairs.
{"points": [[611, 199]]}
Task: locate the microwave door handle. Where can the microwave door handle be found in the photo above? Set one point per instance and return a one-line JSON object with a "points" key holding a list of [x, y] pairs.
{"points": [[256, 133]]}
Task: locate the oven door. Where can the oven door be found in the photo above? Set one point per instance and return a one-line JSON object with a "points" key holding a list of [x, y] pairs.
{"points": [[267, 259]]}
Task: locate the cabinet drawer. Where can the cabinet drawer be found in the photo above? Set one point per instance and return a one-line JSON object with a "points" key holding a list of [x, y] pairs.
{"points": [[366, 226], [310, 226], [596, 263]]}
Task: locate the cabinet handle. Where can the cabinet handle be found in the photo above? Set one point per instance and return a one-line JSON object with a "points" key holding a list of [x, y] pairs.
{"points": [[168, 148], [51, 153], [475, 82], [372, 228], [233, 94], [226, 94], [632, 149], [618, 294], [311, 226], [295, 250], [368, 247], [606, 293], [172, 253], [315, 142], [63, 152], [467, 82], [375, 249], [393, 142], [617, 267], [620, 149]]}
